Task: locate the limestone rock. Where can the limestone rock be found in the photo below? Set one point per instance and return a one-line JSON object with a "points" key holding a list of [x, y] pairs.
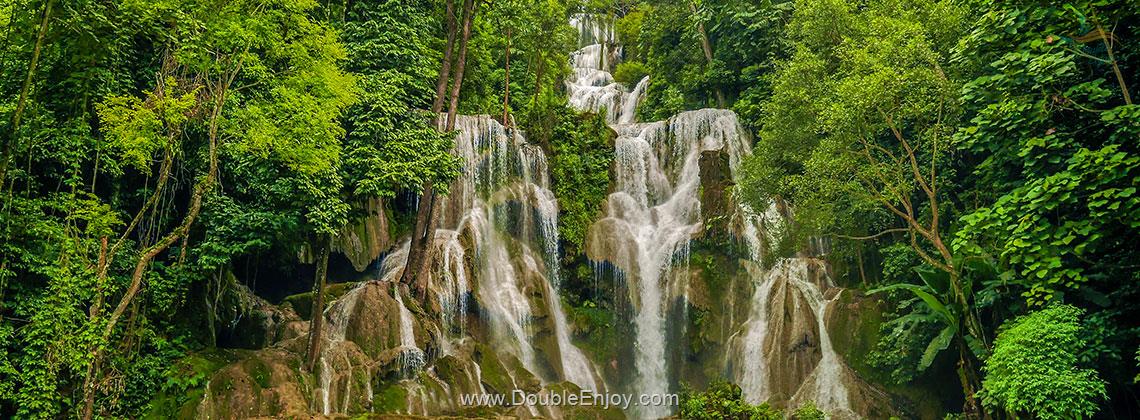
{"points": [[364, 241]]}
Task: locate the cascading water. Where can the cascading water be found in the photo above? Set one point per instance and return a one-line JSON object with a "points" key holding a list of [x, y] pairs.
{"points": [[655, 210], [499, 231], [504, 204]]}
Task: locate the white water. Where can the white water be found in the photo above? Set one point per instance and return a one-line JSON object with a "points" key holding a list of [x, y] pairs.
{"points": [[411, 357], [337, 317], [655, 210], [504, 204]]}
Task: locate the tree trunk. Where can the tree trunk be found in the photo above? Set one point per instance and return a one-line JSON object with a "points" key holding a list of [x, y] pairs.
{"points": [[94, 366], [417, 247], [453, 109], [418, 254], [445, 68], [507, 84], [419, 241], [538, 74], [21, 103], [707, 47], [316, 313]]}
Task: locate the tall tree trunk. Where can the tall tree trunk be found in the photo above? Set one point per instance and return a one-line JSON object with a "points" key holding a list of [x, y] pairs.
{"points": [[316, 314], [417, 247], [538, 75], [419, 259], [707, 47], [419, 241], [445, 68], [453, 109], [507, 84], [25, 90], [94, 366]]}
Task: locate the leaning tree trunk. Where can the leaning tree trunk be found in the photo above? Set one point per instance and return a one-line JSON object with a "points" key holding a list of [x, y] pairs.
{"points": [[316, 311], [507, 84], [21, 103], [418, 242], [453, 109], [445, 68], [419, 258], [707, 47]]}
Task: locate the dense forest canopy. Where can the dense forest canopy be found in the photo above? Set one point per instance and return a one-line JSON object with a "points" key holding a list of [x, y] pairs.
{"points": [[971, 166]]}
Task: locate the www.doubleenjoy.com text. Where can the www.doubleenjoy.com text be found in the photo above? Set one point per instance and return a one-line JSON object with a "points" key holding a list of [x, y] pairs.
{"points": [[565, 398]]}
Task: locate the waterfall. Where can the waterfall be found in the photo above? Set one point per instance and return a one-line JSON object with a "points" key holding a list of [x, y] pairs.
{"points": [[337, 318], [503, 203], [411, 358], [655, 210]]}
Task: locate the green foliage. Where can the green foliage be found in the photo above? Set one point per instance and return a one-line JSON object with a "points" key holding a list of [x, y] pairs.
{"points": [[722, 400], [597, 327], [745, 38], [630, 72], [808, 411], [581, 146], [1034, 369], [856, 73], [1055, 143], [390, 145]]}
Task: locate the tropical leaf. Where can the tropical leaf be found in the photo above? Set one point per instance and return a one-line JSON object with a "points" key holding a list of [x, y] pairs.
{"points": [[940, 342], [932, 301]]}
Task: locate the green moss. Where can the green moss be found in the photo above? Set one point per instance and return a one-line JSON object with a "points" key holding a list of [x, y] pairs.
{"points": [[390, 399], [580, 146], [302, 303], [717, 268], [186, 384], [259, 371], [597, 328], [698, 325], [494, 374]]}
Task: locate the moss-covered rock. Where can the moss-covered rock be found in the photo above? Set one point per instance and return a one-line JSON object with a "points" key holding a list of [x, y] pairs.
{"points": [[261, 383], [362, 242]]}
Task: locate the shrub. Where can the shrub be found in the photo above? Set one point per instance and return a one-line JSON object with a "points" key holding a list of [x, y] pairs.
{"points": [[1034, 369], [723, 400]]}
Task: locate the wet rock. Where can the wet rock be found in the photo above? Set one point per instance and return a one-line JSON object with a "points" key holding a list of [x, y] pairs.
{"points": [[610, 240], [374, 319], [363, 242], [716, 207], [792, 343], [247, 321], [264, 383]]}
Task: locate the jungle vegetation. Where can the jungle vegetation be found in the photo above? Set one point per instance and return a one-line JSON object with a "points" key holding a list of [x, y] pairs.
{"points": [[972, 163]]}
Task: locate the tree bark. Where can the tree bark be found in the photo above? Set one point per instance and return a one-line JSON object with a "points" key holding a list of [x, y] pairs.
{"points": [[538, 74], [417, 247], [316, 313], [419, 259], [707, 47], [460, 66], [445, 68], [25, 90], [419, 241], [219, 90], [507, 84]]}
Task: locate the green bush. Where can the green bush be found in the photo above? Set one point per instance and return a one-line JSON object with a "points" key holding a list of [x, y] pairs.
{"points": [[630, 72], [1034, 369], [808, 411], [723, 401], [580, 146]]}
